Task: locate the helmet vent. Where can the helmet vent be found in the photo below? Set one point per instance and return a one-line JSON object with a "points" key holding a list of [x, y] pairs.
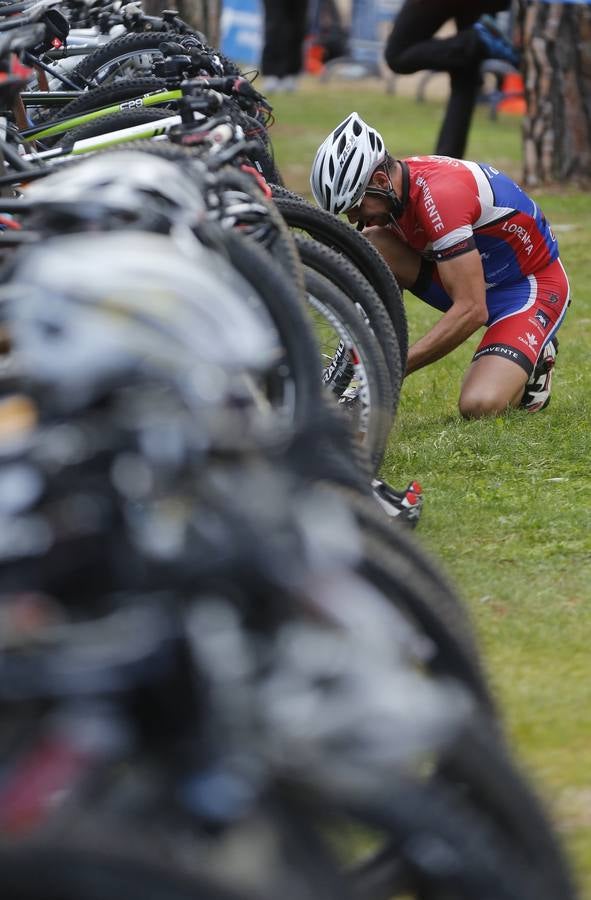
{"points": [[358, 172], [342, 144], [331, 167], [357, 129], [340, 129], [372, 140], [344, 170]]}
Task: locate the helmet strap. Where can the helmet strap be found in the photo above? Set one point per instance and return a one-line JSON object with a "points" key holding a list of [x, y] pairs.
{"points": [[397, 204]]}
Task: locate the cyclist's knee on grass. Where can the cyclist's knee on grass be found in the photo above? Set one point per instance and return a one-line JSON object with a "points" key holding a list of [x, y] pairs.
{"points": [[480, 401]]}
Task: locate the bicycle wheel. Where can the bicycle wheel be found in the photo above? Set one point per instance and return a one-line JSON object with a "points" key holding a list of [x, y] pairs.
{"points": [[260, 218], [427, 579], [330, 230], [500, 812], [299, 392], [354, 369], [481, 767], [181, 155], [135, 54], [108, 94], [437, 847], [354, 285], [453, 651], [256, 130], [56, 873], [131, 55], [325, 450]]}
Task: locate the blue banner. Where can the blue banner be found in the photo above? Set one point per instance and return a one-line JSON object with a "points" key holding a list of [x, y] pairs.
{"points": [[241, 31]]}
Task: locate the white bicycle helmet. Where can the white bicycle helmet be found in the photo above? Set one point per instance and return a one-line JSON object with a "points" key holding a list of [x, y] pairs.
{"points": [[141, 187], [344, 164], [82, 312]]}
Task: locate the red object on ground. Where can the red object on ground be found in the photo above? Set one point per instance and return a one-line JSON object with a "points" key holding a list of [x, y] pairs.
{"points": [[514, 89], [313, 58]]}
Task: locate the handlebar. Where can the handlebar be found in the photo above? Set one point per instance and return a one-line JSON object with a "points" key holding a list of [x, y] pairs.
{"points": [[235, 85], [15, 8], [23, 38], [32, 13]]}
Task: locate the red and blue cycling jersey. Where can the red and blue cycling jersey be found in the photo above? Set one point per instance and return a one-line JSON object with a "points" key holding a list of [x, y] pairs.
{"points": [[457, 205]]}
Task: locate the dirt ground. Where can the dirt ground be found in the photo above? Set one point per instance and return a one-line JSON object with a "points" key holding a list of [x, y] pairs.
{"points": [[433, 85]]}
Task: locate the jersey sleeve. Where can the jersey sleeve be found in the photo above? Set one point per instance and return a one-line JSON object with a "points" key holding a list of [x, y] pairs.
{"points": [[447, 208]]}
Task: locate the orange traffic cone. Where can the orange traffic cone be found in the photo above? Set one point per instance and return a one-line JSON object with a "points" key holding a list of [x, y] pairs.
{"points": [[513, 99], [313, 58]]}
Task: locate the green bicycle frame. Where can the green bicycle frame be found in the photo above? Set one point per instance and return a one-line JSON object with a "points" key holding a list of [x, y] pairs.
{"points": [[110, 139], [146, 100]]}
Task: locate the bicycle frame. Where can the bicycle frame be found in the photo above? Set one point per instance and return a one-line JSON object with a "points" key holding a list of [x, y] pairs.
{"points": [[149, 130], [61, 127], [48, 98]]}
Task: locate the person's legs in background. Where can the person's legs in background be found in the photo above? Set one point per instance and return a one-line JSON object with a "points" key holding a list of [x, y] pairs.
{"points": [[411, 47], [285, 31], [465, 85]]}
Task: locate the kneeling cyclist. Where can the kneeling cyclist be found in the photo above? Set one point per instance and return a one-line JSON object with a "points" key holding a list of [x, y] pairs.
{"points": [[466, 239]]}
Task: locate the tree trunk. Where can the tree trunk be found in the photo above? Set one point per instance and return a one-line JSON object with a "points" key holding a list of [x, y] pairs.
{"points": [[556, 40], [201, 14]]}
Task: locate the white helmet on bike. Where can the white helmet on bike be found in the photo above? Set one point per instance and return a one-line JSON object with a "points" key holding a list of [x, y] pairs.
{"points": [[82, 313], [118, 189], [345, 163]]}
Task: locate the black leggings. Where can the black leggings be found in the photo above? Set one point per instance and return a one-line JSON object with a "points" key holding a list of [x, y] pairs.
{"points": [[411, 47], [285, 30]]}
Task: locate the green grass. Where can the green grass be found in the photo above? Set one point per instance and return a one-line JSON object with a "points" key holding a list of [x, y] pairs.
{"points": [[508, 500]]}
